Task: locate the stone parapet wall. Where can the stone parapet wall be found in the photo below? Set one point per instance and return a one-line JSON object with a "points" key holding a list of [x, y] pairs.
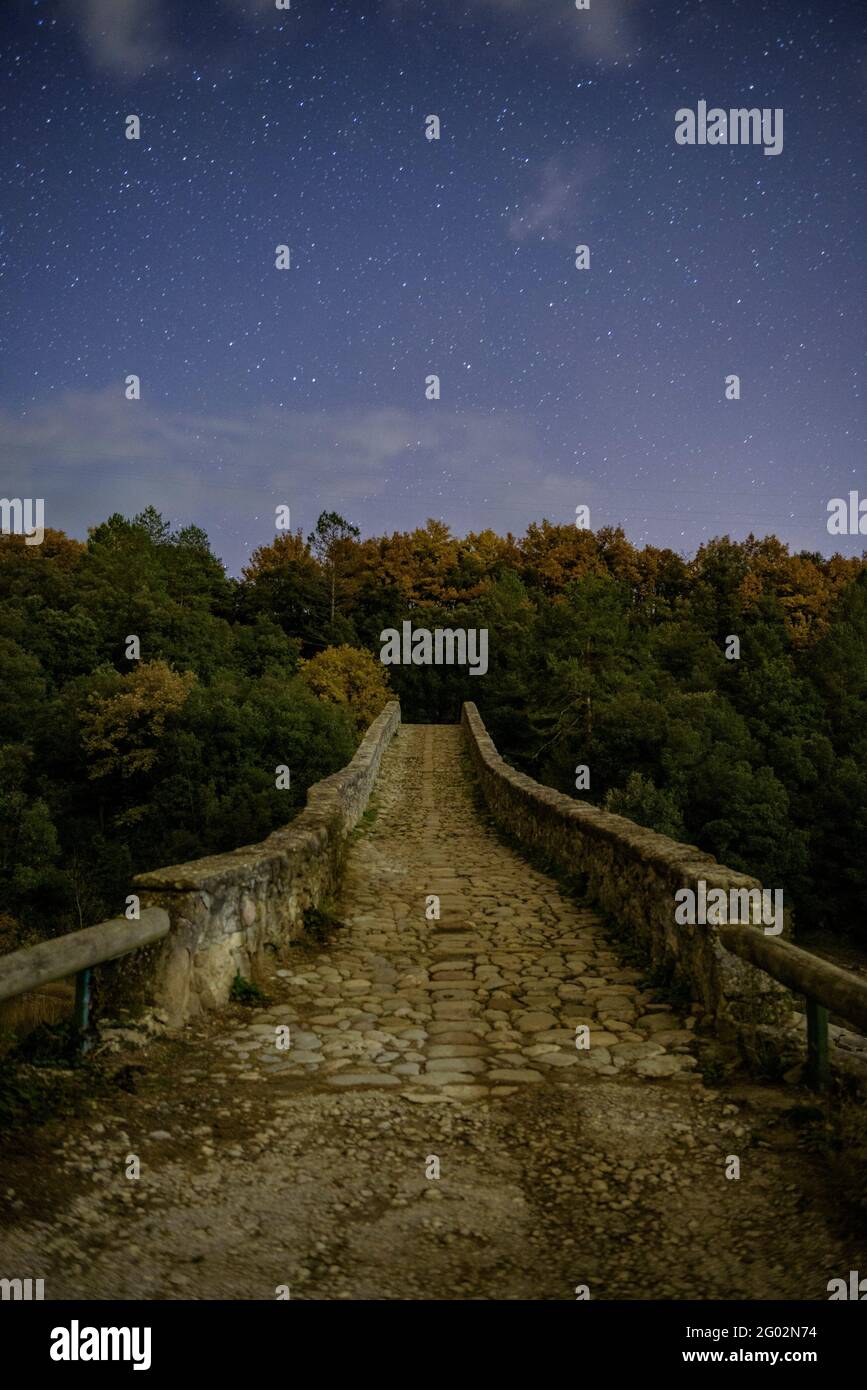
{"points": [[228, 909], [633, 874]]}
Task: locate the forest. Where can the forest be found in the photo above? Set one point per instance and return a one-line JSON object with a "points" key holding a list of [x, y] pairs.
{"points": [[149, 697]]}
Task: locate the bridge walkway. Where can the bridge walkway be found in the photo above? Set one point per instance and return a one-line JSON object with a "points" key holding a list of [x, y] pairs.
{"points": [[442, 1046]]}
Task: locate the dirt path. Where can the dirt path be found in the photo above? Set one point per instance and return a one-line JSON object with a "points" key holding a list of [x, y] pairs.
{"points": [[419, 1045]]}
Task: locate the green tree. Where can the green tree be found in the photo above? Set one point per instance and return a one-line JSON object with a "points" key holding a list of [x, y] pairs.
{"points": [[331, 543]]}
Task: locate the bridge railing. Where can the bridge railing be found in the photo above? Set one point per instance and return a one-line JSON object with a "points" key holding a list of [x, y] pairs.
{"points": [[220, 912], [76, 954], [634, 873], [826, 989]]}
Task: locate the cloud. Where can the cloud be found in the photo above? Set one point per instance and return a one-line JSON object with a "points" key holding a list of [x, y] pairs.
{"points": [[551, 210], [611, 35], [249, 9], [607, 33], [125, 37], [122, 37], [89, 454]]}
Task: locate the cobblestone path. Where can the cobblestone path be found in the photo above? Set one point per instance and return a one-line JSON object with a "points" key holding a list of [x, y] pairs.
{"points": [[484, 999], [420, 1047]]}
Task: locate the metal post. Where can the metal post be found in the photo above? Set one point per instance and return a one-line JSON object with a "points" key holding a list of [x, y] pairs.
{"points": [[818, 1061], [82, 1008]]}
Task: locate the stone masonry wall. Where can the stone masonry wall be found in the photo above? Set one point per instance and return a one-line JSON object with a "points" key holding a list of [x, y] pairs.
{"points": [[227, 909], [633, 874]]}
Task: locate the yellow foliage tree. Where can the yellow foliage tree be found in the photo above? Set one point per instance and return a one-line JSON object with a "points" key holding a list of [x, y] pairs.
{"points": [[121, 730], [348, 676]]}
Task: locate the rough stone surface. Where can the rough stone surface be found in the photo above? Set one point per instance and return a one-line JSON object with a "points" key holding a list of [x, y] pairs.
{"points": [[227, 909], [633, 874], [306, 1167]]}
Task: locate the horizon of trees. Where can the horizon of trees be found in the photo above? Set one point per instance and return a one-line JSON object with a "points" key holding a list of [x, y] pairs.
{"points": [[600, 654]]}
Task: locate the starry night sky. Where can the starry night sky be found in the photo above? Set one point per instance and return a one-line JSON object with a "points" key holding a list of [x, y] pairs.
{"points": [[411, 257]]}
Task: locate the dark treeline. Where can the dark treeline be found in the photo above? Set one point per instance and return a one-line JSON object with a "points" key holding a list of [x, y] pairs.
{"points": [[600, 654]]}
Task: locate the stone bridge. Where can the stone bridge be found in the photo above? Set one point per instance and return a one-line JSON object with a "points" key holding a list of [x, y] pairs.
{"points": [[432, 1131]]}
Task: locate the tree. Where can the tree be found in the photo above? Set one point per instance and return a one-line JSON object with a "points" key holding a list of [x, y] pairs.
{"points": [[644, 803], [330, 543], [150, 521], [29, 842], [599, 653], [121, 726], [351, 677], [285, 581]]}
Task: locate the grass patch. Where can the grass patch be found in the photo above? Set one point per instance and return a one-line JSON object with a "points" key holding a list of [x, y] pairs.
{"points": [[50, 1045], [847, 1158], [669, 987], [45, 1076], [27, 1098], [32, 1094], [245, 992], [320, 923], [366, 820], [713, 1067]]}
